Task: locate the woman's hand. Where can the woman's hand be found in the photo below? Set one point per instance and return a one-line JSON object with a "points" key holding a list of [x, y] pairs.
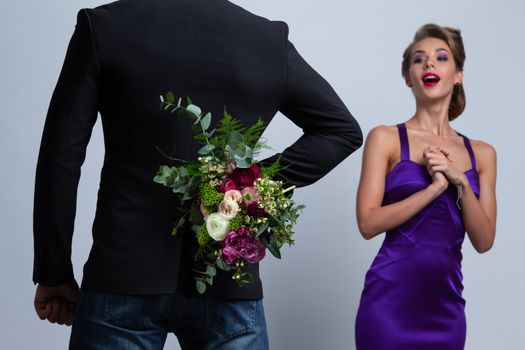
{"points": [[439, 160], [439, 182]]}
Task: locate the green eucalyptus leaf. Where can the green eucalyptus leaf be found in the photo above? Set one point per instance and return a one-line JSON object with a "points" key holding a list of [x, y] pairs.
{"points": [[242, 162], [183, 172], [238, 152], [201, 286], [206, 121], [180, 188], [248, 151], [206, 149], [195, 110], [211, 270], [223, 266], [236, 140], [160, 180]]}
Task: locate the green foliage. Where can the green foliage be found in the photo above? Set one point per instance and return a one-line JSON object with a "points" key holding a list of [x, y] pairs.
{"points": [[228, 125], [272, 170], [181, 180], [243, 143], [201, 286], [179, 224], [237, 221], [203, 237], [271, 245], [206, 277], [222, 265], [208, 195], [253, 133], [222, 142]]}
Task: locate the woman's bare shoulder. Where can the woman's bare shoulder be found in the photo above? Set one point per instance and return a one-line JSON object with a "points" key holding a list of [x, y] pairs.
{"points": [[383, 133], [485, 153]]}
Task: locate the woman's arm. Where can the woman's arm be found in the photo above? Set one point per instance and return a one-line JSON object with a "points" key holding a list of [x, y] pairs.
{"points": [[372, 218]]}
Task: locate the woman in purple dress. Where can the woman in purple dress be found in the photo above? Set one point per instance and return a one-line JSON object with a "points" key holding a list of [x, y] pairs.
{"points": [[424, 184]]}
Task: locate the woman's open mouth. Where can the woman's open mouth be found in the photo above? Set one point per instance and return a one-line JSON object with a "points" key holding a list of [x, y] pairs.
{"points": [[431, 79]]}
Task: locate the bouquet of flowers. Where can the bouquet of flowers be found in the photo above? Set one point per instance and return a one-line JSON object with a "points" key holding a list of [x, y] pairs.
{"points": [[235, 207]]}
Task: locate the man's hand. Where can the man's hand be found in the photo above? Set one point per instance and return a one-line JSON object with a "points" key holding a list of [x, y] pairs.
{"points": [[57, 304]]}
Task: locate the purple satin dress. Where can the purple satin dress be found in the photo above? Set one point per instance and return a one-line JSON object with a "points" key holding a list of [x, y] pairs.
{"points": [[412, 295]]}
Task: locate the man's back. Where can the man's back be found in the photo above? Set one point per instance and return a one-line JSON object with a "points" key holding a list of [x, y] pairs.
{"points": [[121, 58]]}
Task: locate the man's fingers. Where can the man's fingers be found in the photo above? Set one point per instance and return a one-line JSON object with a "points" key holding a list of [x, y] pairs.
{"points": [[55, 312], [64, 312], [43, 310], [71, 313]]}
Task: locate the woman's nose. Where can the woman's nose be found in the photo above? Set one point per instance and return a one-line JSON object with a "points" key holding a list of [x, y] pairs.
{"points": [[429, 64]]}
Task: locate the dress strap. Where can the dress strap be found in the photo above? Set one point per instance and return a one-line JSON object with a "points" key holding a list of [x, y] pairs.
{"points": [[468, 146], [403, 139]]}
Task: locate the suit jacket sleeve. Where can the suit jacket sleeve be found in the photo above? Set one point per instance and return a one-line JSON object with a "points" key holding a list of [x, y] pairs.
{"points": [[330, 132], [70, 119]]}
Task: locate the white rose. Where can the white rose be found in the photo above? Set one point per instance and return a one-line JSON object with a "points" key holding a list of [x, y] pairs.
{"points": [[228, 208], [217, 226]]}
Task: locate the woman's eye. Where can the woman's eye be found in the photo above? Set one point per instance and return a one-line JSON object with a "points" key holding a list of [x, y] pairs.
{"points": [[418, 59], [442, 58]]}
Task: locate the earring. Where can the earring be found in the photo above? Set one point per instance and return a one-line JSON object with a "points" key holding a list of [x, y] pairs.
{"points": [[409, 84]]}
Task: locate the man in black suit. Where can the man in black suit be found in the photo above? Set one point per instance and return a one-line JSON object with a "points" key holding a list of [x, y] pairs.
{"points": [[137, 283]]}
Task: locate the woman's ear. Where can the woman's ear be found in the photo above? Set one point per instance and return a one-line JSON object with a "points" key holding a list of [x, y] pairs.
{"points": [[459, 78]]}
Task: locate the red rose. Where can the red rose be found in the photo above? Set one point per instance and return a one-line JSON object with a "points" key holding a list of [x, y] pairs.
{"points": [[254, 210], [228, 185], [246, 176]]}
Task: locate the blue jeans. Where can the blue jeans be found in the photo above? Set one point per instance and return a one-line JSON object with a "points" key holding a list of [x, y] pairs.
{"points": [[112, 322]]}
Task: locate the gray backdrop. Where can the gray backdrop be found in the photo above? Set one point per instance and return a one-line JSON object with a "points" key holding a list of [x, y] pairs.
{"points": [[313, 293]]}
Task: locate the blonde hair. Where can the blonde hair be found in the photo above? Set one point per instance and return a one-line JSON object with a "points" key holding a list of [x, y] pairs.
{"points": [[452, 37]]}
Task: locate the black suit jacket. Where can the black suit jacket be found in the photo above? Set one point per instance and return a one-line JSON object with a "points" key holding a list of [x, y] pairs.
{"points": [[121, 57]]}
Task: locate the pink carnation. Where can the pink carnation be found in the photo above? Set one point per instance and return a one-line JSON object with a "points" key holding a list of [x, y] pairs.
{"points": [[241, 244]]}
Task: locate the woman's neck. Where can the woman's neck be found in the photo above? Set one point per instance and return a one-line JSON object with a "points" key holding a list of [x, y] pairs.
{"points": [[432, 118]]}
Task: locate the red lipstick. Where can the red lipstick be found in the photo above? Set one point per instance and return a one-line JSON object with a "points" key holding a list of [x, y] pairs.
{"points": [[430, 79]]}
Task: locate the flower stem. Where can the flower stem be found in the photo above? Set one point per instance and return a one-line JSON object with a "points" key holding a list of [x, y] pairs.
{"points": [[289, 189]]}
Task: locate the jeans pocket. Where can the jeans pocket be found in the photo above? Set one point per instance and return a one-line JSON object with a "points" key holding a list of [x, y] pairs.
{"points": [[232, 318], [132, 312]]}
